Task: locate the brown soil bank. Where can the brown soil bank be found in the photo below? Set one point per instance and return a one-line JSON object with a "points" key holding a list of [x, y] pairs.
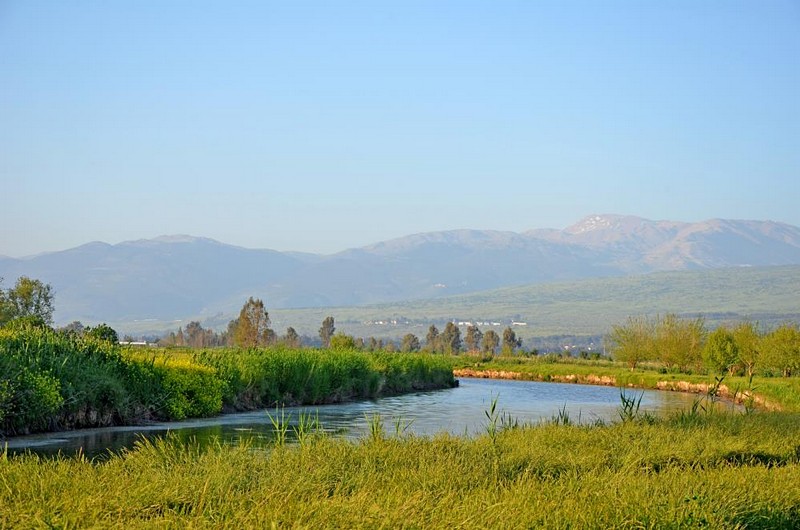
{"points": [[607, 380]]}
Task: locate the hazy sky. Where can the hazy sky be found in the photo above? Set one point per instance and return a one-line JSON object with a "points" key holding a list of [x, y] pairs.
{"points": [[324, 125]]}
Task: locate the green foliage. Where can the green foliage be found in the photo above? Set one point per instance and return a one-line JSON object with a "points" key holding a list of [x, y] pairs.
{"points": [[252, 327], [432, 342], [510, 341], [472, 338], [189, 391], [28, 298], [340, 341], [102, 332], [450, 339], [61, 380], [747, 340], [632, 343], [781, 350], [720, 353], [490, 342], [410, 343]]}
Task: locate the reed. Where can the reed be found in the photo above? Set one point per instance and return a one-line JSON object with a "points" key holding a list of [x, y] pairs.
{"points": [[620, 475], [50, 380]]}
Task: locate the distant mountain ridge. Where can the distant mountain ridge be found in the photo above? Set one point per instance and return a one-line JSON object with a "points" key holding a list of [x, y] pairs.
{"points": [[181, 276]]}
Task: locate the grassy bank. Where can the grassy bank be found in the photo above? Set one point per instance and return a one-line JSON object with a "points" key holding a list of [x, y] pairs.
{"points": [[771, 393], [718, 471], [55, 381]]}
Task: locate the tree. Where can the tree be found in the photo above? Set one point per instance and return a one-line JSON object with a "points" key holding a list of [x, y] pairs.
{"points": [[450, 339], [748, 345], [340, 341], [75, 327], [510, 341], [229, 335], [5, 307], [782, 349], [679, 342], [252, 329], [432, 339], [195, 335], [291, 338], [410, 343], [326, 331], [720, 353], [490, 342], [28, 298], [102, 332], [632, 342], [472, 338]]}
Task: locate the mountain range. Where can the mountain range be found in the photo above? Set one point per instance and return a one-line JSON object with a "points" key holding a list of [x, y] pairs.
{"points": [[179, 277]]}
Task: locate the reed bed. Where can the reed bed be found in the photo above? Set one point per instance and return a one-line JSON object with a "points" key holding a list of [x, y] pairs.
{"points": [[717, 471], [56, 381]]}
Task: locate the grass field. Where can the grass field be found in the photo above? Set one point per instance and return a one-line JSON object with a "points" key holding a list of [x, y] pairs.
{"points": [[701, 471]]}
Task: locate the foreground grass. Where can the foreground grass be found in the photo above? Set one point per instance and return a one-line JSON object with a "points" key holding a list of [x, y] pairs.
{"points": [[771, 392], [716, 471]]}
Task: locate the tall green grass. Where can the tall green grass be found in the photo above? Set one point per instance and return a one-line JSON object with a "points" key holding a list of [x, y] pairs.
{"points": [[721, 471], [51, 381]]}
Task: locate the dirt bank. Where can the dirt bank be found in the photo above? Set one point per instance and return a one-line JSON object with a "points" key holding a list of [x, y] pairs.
{"points": [[607, 380]]}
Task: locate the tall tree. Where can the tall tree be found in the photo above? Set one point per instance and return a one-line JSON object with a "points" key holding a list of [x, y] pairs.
{"points": [[252, 329], [432, 339], [326, 331], [291, 338], [410, 343], [490, 342], [195, 335], [451, 339], [510, 341], [28, 298], [472, 338], [748, 342]]}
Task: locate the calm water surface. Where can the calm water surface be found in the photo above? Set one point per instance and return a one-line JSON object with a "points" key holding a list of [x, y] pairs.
{"points": [[457, 411]]}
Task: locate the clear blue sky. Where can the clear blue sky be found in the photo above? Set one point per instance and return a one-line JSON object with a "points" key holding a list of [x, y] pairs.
{"points": [[319, 126]]}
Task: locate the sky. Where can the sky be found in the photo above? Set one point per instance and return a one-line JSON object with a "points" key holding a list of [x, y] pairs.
{"points": [[320, 126]]}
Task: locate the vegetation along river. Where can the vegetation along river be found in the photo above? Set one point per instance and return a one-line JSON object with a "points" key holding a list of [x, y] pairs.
{"points": [[457, 411]]}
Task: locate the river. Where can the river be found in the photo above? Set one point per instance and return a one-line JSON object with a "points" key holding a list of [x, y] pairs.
{"points": [[458, 411]]}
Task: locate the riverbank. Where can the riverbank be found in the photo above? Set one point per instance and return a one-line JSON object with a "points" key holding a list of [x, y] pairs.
{"points": [[767, 393], [54, 381]]}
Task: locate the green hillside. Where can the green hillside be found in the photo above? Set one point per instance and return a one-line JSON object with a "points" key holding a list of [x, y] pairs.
{"points": [[589, 307]]}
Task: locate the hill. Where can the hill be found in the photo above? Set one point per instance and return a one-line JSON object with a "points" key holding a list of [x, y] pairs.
{"points": [[180, 277], [580, 309]]}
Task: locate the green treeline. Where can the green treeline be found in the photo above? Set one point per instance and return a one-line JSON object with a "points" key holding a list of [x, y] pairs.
{"points": [[685, 345], [53, 380]]}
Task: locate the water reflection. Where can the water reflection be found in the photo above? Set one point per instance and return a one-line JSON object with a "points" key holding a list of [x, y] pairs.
{"points": [[457, 411]]}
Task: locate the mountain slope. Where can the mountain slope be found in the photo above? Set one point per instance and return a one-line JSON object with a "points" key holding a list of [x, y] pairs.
{"points": [[174, 277]]}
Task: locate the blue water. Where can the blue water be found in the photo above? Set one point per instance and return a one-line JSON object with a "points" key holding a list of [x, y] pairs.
{"points": [[457, 411]]}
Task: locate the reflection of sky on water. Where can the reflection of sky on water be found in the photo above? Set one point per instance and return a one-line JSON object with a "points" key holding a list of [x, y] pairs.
{"points": [[458, 411]]}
